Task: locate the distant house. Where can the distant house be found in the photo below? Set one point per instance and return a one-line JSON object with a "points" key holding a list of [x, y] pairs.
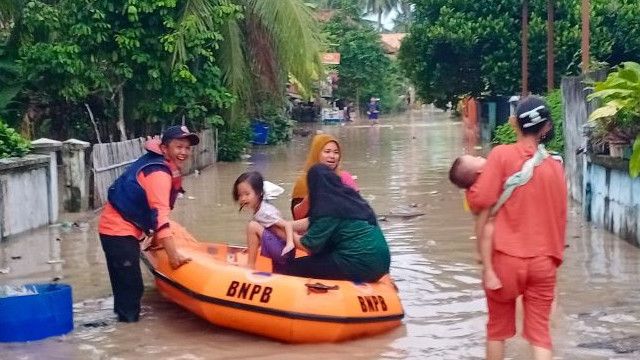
{"points": [[391, 42]]}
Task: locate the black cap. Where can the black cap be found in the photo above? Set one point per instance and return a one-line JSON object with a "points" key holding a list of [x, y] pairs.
{"points": [[179, 132]]}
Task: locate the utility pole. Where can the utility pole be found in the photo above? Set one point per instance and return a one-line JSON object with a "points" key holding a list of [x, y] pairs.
{"points": [[585, 10], [550, 49], [525, 47]]}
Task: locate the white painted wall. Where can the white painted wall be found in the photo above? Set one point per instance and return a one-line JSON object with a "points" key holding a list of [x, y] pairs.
{"points": [[24, 194]]}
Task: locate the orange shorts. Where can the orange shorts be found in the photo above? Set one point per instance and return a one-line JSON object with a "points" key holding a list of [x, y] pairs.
{"points": [[535, 279]]}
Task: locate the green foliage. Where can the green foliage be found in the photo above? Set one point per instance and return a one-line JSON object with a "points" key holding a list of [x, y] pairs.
{"points": [[619, 116], [11, 143], [617, 22], [634, 161], [233, 140], [280, 126], [504, 134], [458, 48], [620, 94], [364, 69], [77, 52], [271, 40], [554, 100]]}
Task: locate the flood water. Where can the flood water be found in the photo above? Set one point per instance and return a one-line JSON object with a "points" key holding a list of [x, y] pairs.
{"points": [[402, 163]]}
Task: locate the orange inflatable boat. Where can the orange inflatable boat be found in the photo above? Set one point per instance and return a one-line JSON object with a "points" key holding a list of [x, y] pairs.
{"points": [[290, 309]]}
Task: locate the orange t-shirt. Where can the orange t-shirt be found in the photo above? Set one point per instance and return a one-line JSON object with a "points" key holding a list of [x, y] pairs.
{"points": [[532, 221], [157, 186]]}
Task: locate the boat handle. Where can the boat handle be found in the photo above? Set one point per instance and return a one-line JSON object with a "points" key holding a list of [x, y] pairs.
{"points": [[320, 288]]}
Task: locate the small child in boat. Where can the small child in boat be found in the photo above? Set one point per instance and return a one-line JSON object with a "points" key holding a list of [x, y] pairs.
{"points": [[463, 173], [267, 228]]}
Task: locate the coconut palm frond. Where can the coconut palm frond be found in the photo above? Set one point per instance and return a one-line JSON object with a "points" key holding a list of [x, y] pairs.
{"points": [[197, 17], [379, 6], [261, 51], [232, 60], [294, 33], [8, 9]]}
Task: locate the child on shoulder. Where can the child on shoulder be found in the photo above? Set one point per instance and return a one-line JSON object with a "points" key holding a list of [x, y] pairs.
{"points": [[463, 173], [267, 230]]}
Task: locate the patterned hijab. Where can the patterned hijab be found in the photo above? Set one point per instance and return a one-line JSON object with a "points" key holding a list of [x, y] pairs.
{"points": [[300, 188]]}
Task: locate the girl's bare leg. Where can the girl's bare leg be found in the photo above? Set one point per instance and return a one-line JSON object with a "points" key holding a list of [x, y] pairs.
{"points": [[254, 234]]}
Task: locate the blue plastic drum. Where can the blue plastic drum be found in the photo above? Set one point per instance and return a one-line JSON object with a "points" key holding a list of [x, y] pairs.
{"points": [[260, 133], [47, 312]]}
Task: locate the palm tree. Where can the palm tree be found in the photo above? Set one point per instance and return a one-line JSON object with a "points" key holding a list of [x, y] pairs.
{"points": [[380, 7], [271, 40], [10, 83], [404, 18], [9, 25], [7, 11]]}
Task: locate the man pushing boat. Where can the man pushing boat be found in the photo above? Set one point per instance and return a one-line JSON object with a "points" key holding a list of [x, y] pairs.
{"points": [[140, 201]]}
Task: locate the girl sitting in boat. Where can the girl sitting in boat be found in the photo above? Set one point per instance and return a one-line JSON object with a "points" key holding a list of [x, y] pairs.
{"points": [[343, 238], [267, 228]]}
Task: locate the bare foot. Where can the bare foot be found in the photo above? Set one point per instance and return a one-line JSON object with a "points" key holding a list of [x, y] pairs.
{"points": [[288, 247]]}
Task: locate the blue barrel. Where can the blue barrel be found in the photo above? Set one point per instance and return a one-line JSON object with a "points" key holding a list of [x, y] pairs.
{"points": [[260, 132], [37, 316]]}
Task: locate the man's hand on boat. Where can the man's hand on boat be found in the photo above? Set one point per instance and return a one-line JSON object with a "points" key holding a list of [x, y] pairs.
{"points": [[175, 258]]}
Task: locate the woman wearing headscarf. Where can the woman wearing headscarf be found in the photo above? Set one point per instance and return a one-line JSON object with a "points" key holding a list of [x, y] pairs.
{"points": [[343, 239], [325, 149]]}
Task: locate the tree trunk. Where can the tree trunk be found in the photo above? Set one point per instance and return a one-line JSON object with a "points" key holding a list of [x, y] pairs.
{"points": [[120, 124], [359, 113], [585, 8], [93, 121], [380, 21]]}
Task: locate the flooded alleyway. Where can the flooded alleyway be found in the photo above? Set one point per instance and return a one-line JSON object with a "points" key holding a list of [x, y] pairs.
{"points": [[400, 164]]}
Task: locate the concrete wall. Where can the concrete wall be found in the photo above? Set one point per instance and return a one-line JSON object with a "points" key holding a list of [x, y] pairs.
{"points": [[612, 197], [576, 114], [24, 194]]}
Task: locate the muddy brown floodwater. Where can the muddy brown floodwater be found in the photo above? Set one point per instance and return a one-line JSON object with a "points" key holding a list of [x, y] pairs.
{"points": [[401, 164]]}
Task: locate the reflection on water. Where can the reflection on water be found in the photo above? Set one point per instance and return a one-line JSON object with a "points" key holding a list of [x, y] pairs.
{"points": [[400, 164]]}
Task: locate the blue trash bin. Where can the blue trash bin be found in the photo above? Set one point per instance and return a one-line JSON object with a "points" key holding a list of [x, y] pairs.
{"points": [[259, 132], [48, 312]]}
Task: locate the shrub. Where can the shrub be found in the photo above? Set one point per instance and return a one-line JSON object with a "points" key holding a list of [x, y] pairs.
{"points": [[280, 126], [232, 141], [504, 134], [554, 100], [11, 143]]}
